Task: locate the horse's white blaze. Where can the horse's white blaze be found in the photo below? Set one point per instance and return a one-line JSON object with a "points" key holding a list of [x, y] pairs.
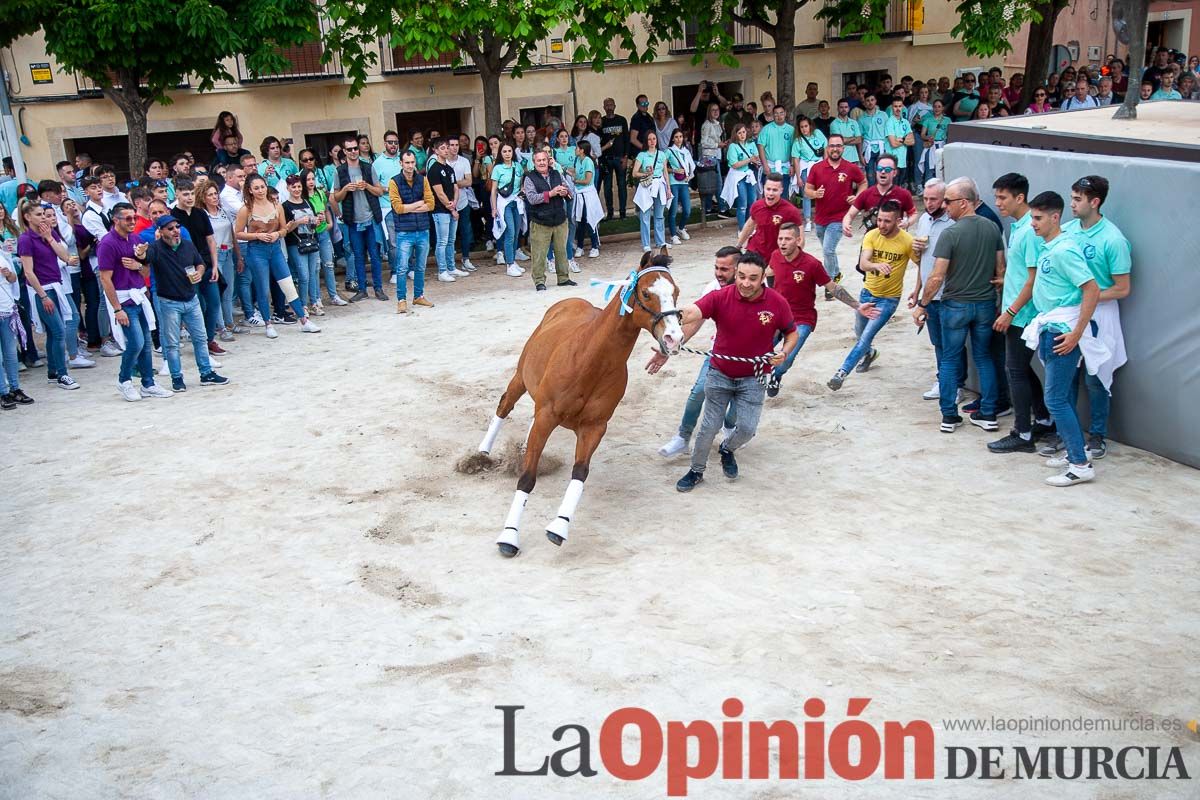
{"points": [[570, 502], [666, 302], [489, 438], [512, 524]]}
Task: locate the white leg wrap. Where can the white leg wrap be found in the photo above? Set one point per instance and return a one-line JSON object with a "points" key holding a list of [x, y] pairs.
{"points": [[562, 522], [512, 524], [489, 438]]}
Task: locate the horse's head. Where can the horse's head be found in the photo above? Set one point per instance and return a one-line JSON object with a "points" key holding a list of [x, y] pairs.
{"points": [[652, 304]]}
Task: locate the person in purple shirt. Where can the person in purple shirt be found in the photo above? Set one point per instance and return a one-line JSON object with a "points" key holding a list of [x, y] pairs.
{"points": [[40, 248], [123, 272]]}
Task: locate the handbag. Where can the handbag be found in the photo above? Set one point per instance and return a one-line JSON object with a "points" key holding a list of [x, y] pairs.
{"points": [[506, 191], [819, 152], [648, 181]]}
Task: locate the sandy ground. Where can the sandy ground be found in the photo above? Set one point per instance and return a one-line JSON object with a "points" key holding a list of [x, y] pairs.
{"points": [[283, 589]]}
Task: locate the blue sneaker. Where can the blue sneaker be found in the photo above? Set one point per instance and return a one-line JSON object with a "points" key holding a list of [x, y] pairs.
{"points": [[213, 379], [177, 385]]}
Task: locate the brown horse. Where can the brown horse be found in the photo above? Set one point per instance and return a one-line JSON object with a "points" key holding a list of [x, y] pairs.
{"points": [[574, 368]]}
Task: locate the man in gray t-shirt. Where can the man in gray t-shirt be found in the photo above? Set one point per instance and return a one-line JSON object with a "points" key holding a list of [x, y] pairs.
{"points": [[360, 195], [968, 257]]}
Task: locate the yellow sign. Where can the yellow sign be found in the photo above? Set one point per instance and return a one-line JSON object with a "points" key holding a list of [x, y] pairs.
{"points": [[41, 73], [556, 46]]}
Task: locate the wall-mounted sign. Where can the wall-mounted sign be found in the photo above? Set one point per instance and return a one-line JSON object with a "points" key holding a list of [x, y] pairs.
{"points": [[41, 73], [556, 46]]}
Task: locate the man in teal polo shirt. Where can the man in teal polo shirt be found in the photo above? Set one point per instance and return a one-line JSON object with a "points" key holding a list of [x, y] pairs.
{"points": [[1065, 295], [850, 130], [775, 146], [416, 146], [873, 121], [387, 166], [1108, 257], [1021, 268]]}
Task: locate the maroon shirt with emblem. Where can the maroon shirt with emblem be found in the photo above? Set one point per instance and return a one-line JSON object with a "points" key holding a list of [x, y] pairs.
{"points": [[745, 328], [767, 219], [797, 281]]}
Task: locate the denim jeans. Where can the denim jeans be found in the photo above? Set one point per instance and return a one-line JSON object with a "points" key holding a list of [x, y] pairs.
{"points": [[681, 207], [745, 394], [960, 321], [611, 174], [1028, 399], [695, 403], [829, 236], [867, 328], [645, 218], [139, 351], [1061, 393], [412, 251], [806, 203], [804, 331], [225, 267], [869, 164], [9, 381], [512, 226], [933, 324], [466, 233], [386, 242], [747, 193], [209, 294], [266, 264], [325, 240], [306, 267], [56, 345], [1099, 400], [187, 312], [445, 227], [348, 252], [364, 245]]}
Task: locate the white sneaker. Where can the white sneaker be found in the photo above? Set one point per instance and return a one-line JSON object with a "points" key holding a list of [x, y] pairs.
{"points": [[255, 322], [129, 392], [468, 266], [500, 262], [163, 370], [458, 273], [67, 382], [489, 245], [677, 445], [156, 391], [593, 253], [683, 234], [574, 266], [271, 332], [309, 327], [520, 255], [446, 277], [81, 361], [667, 244], [338, 301], [550, 265], [514, 271], [676, 240], [808, 227], [934, 393], [110, 350], [184, 336], [1074, 474], [393, 279], [214, 364], [1060, 462]]}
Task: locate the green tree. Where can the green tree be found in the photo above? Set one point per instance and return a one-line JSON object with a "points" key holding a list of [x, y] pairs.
{"points": [[494, 37], [138, 51]]}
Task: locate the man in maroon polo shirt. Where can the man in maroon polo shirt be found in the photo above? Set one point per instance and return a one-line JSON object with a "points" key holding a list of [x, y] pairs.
{"points": [[766, 215], [870, 199], [797, 276], [832, 185], [748, 315]]}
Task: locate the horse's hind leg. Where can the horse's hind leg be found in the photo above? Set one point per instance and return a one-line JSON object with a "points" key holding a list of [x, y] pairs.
{"points": [[586, 441], [509, 540], [516, 388]]}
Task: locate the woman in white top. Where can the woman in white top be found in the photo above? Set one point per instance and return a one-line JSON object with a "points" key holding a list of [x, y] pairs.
{"points": [[664, 123], [712, 136], [229, 258], [682, 171], [12, 337]]}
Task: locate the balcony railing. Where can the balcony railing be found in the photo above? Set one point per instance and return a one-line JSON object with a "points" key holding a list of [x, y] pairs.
{"points": [[897, 23], [745, 37], [304, 60], [86, 87], [393, 61]]}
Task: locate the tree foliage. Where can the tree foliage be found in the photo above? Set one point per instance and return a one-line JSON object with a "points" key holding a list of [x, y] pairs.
{"points": [[985, 28], [138, 51]]}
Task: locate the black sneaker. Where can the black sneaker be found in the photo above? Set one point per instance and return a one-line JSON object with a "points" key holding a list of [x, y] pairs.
{"points": [[177, 385], [728, 463], [773, 389], [380, 294], [358, 296], [20, 397], [1051, 445], [213, 379], [951, 423], [1041, 431], [351, 286], [567, 282], [1013, 443], [985, 421], [837, 380], [1096, 446], [689, 481], [541, 287], [52, 377], [289, 318], [867, 360], [7, 402]]}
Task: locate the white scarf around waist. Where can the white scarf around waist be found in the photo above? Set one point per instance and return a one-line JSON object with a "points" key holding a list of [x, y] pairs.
{"points": [[644, 197], [729, 190], [139, 296], [498, 222], [587, 197], [1096, 354], [64, 307]]}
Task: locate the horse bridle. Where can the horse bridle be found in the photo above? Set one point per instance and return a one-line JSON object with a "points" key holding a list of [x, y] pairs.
{"points": [[655, 316]]}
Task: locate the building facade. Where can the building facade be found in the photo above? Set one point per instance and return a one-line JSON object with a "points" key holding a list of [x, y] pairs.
{"points": [[61, 114]]}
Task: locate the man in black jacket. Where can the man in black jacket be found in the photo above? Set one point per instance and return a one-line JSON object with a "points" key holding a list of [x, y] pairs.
{"points": [[547, 199]]}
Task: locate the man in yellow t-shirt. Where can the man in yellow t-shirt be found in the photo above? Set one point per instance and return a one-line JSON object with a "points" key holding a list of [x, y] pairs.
{"points": [[885, 254]]}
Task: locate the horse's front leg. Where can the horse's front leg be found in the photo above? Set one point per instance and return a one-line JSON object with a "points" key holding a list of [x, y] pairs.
{"points": [[509, 540], [587, 439]]}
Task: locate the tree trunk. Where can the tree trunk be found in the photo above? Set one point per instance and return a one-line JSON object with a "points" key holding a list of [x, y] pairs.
{"points": [[1037, 51], [492, 118], [784, 35], [1137, 16], [136, 110]]}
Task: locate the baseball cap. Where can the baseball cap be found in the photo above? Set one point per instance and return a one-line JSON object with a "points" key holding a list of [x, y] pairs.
{"points": [[164, 221]]}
